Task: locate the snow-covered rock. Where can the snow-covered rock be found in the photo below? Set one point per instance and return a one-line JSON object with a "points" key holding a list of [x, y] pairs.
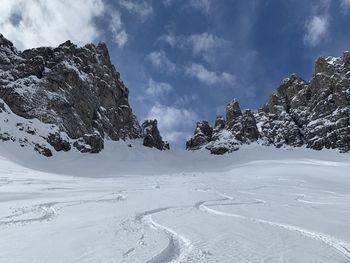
{"points": [[226, 136], [75, 90], [315, 114], [152, 137], [202, 136]]}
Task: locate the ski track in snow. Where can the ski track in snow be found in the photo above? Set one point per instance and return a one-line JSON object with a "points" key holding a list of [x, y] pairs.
{"points": [[207, 209], [340, 245], [301, 199], [178, 248], [47, 211]]}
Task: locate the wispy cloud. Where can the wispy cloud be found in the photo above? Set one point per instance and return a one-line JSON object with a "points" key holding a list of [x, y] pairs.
{"points": [[185, 99], [139, 7], [202, 5], [119, 35], [209, 77], [345, 5], [157, 89], [170, 39], [160, 61], [204, 44], [318, 24], [316, 30]]}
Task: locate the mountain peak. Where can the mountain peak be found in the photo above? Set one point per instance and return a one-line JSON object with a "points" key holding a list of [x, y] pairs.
{"points": [[5, 42], [314, 114], [75, 92]]}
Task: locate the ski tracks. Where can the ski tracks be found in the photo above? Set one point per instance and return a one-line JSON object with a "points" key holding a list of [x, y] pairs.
{"points": [[179, 248], [340, 245], [48, 211]]}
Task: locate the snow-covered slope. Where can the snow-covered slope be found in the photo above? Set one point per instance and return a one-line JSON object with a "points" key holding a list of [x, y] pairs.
{"points": [[260, 204], [30, 133]]}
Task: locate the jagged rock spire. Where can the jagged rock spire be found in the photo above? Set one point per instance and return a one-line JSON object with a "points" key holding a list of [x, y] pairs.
{"points": [[152, 136], [314, 114]]}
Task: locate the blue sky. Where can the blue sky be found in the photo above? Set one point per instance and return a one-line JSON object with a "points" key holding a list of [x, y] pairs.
{"points": [[184, 60]]}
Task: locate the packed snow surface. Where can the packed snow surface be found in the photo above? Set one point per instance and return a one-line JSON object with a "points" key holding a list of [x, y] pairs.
{"points": [[133, 204]]}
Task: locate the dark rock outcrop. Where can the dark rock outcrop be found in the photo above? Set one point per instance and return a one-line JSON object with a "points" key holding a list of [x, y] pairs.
{"points": [[43, 150], [75, 91], [89, 143], [315, 114], [239, 127], [152, 136], [220, 124], [58, 143], [242, 125], [202, 136]]}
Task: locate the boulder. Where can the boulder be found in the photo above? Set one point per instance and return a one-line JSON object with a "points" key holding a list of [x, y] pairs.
{"points": [[90, 143]]}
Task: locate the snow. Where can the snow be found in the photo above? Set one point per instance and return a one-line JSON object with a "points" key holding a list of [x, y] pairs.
{"points": [[25, 132], [225, 139], [333, 60], [259, 204], [26, 86], [71, 66]]}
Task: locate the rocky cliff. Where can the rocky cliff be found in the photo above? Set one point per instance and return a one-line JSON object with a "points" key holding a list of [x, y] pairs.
{"points": [[314, 113], [63, 98]]}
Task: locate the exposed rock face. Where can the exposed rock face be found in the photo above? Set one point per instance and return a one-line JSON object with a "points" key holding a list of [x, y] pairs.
{"points": [[75, 90], [59, 144], [242, 125], [220, 124], [202, 136], [90, 143], [279, 122], [315, 114], [152, 136], [227, 135], [233, 113]]}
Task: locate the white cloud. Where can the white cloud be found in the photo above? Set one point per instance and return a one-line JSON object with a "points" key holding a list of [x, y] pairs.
{"points": [[171, 120], [171, 117], [204, 42], [170, 39], [119, 36], [205, 45], [209, 77], [157, 89], [161, 61], [37, 23], [185, 99], [316, 30], [177, 138], [138, 7]]}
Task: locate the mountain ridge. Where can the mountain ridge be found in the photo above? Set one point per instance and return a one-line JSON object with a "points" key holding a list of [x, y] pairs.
{"points": [[314, 113], [76, 90], [70, 97]]}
